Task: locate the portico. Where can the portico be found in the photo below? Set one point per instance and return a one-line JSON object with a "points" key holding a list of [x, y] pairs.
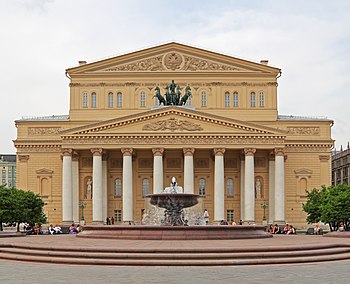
{"points": [[145, 161]]}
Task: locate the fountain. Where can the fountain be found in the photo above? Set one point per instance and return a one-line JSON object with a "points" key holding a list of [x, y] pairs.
{"points": [[173, 200], [174, 225]]}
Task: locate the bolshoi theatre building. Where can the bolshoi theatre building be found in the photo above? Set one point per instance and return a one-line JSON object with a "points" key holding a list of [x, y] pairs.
{"points": [[139, 119]]}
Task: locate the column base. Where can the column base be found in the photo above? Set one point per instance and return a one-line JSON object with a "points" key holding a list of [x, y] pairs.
{"points": [[128, 223], [67, 223], [279, 222], [97, 222], [248, 222]]}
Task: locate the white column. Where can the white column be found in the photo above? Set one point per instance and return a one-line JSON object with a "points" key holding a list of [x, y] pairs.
{"points": [[158, 183], [188, 170], [75, 174], [104, 188], [67, 189], [242, 188], [271, 189], [279, 186], [249, 200], [97, 216], [219, 186], [127, 185]]}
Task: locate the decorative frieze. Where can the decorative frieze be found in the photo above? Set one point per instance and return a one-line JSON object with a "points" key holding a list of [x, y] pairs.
{"points": [[172, 124], [43, 130], [172, 140], [303, 130]]}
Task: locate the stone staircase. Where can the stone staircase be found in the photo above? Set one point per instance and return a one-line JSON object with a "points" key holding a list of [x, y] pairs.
{"points": [[200, 256]]}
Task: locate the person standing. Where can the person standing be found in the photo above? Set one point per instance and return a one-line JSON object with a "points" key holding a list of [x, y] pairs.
{"points": [[206, 217], [112, 220]]}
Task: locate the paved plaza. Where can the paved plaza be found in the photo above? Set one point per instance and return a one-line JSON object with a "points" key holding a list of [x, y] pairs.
{"points": [[332, 272]]}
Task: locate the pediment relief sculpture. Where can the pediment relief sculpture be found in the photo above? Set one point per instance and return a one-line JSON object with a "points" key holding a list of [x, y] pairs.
{"points": [[172, 124], [174, 61]]}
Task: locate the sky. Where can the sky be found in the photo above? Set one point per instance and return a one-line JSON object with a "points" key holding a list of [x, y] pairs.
{"points": [[308, 40]]}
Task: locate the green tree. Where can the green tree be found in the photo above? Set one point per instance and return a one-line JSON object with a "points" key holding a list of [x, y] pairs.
{"points": [[21, 206], [329, 205]]}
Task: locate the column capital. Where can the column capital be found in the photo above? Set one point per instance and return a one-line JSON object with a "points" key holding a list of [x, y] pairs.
{"points": [[75, 156], [219, 151], [23, 158], [249, 151], [188, 151], [271, 156], [279, 151], [158, 151], [67, 152], [127, 151], [96, 151]]}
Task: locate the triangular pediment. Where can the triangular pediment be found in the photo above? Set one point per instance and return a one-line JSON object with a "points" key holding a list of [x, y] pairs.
{"points": [[173, 57], [44, 171], [173, 120], [303, 172]]}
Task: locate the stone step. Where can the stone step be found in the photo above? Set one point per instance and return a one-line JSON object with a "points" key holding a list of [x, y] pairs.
{"points": [[188, 255], [172, 257], [173, 262]]}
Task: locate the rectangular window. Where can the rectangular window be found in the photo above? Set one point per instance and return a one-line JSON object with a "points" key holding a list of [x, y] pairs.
{"points": [[235, 99], [252, 99], [118, 215], [227, 99], [204, 99], [85, 100], [119, 100], [142, 99], [230, 215], [110, 100], [261, 99], [93, 100]]}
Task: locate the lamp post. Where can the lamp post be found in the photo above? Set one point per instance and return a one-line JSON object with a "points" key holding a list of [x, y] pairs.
{"points": [[82, 205], [264, 205]]}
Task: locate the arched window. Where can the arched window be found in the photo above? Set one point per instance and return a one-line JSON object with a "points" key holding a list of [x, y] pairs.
{"points": [[252, 99], [261, 99], [201, 186], [119, 99], [142, 99], [203, 99], [145, 186], [235, 99], [227, 99], [93, 100], [110, 100], [85, 100], [117, 187], [229, 187]]}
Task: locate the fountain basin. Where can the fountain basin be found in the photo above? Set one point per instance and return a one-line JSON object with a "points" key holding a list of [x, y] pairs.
{"points": [[144, 232], [169, 200]]}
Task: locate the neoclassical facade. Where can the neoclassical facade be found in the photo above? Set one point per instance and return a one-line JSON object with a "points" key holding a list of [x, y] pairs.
{"points": [[227, 143]]}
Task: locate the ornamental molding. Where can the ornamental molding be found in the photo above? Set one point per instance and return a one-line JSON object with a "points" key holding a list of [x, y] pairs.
{"points": [[43, 130], [23, 158], [173, 140], [303, 130], [174, 61], [317, 148], [172, 124], [44, 171], [38, 148], [191, 84]]}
